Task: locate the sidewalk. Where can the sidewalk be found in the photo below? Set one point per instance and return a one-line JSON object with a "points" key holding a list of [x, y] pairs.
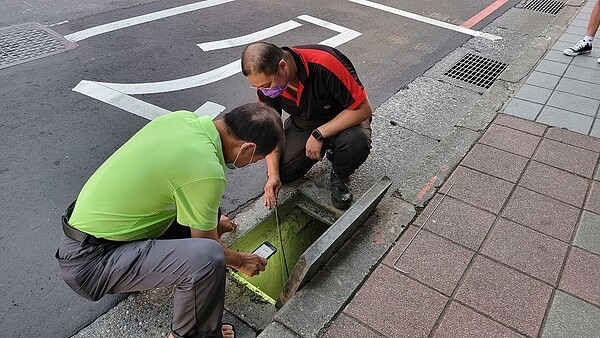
{"points": [[510, 245]]}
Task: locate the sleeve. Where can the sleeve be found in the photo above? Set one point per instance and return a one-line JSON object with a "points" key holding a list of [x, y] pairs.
{"points": [[343, 83], [198, 203], [273, 103]]}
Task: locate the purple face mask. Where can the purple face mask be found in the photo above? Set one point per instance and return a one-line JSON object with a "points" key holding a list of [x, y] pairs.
{"points": [[276, 90]]}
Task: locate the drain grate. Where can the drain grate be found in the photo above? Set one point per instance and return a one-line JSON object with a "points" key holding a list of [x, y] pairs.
{"points": [[545, 6], [28, 42], [476, 70]]}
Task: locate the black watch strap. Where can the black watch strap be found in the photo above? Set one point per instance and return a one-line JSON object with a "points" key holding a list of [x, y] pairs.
{"points": [[317, 134]]}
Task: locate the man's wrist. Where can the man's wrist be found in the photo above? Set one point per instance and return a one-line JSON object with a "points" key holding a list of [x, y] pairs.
{"points": [[316, 133]]}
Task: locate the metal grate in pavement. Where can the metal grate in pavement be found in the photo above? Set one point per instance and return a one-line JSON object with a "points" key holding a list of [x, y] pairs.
{"points": [[29, 41], [476, 70], [545, 6]]}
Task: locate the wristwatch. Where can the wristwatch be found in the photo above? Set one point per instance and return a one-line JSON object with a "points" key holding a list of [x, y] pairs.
{"points": [[317, 134]]}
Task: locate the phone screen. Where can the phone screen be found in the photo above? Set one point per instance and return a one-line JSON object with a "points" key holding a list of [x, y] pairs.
{"points": [[265, 250]]}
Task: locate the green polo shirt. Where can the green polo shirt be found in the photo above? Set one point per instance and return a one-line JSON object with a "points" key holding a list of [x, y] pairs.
{"points": [[172, 167]]}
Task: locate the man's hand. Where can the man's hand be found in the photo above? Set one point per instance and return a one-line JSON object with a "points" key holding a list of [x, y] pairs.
{"points": [[251, 264], [313, 148], [272, 188]]}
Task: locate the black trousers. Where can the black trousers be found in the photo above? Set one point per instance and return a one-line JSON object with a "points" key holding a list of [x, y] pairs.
{"points": [[350, 147]]}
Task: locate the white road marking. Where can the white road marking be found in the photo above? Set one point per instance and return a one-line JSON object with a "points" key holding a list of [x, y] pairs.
{"points": [[211, 109], [249, 38], [427, 20], [346, 34], [113, 26]]}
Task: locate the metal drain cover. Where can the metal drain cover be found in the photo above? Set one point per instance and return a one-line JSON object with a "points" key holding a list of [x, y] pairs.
{"points": [[30, 41], [476, 70], [545, 6]]}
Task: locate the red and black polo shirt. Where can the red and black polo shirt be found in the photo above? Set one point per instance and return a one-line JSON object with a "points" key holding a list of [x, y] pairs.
{"points": [[328, 84]]}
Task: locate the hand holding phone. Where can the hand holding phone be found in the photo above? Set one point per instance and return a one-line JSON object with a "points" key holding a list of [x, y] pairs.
{"points": [[265, 250]]}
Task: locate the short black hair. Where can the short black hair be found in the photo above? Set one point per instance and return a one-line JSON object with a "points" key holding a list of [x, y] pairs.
{"points": [[257, 123], [261, 57]]}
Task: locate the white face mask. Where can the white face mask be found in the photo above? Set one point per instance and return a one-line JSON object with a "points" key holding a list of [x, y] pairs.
{"points": [[233, 166]]}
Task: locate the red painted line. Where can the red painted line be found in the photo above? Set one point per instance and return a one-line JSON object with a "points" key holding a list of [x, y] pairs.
{"points": [[483, 14], [426, 188]]}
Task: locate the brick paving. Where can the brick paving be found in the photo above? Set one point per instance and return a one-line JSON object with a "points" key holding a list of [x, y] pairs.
{"points": [[510, 246]]}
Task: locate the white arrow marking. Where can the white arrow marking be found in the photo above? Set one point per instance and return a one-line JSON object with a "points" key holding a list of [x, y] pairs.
{"points": [[211, 109], [249, 38], [427, 20], [113, 26], [346, 34]]}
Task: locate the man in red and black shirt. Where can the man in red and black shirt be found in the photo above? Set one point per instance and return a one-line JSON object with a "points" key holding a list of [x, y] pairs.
{"points": [[329, 110]]}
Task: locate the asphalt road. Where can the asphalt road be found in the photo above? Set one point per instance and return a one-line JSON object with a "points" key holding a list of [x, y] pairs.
{"points": [[53, 137]]}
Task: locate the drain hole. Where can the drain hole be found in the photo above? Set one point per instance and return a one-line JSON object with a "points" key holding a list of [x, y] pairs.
{"points": [[476, 70], [545, 6]]}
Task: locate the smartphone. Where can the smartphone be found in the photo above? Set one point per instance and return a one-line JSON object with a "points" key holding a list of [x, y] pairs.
{"points": [[265, 250]]}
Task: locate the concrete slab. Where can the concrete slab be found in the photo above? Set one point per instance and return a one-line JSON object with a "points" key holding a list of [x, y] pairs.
{"points": [[457, 221], [526, 250], [588, 233], [574, 103], [520, 124], [571, 317], [571, 38], [495, 162], [583, 74], [524, 21], [586, 61], [478, 189], [586, 89], [376, 304], [558, 56], [545, 79], [551, 67], [510, 140], [555, 183], [276, 330], [344, 326], [565, 119], [581, 275], [593, 201], [505, 295], [567, 157], [460, 321], [525, 109], [542, 213], [430, 259], [534, 93], [491, 102]]}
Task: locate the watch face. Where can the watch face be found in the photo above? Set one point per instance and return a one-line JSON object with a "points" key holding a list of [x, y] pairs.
{"points": [[317, 135]]}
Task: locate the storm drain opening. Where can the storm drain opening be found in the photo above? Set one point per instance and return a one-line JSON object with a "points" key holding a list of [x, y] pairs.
{"points": [[30, 41], [545, 6], [476, 70]]}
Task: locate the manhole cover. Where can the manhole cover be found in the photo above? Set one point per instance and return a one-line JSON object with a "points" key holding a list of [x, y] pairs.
{"points": [[28, 42], [476, 70], [545, 6]]}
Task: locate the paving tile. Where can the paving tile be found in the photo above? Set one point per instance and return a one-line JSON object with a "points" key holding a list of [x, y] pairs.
{"points": [[522, 108], [576, 30], [551, 67], [567, 157], [558, 56], [505, 295], [344, 326], [573, 138], [561, 45], [511, 140], [588, 232], [571, 38], [377, 304], [495, 162], [542, 213], [527, 250], [581, 276], [456, 221], [597, 176], [543, 80], [575, 103], [431, 259], [579, 23], [577, 87], [596, 128], [520, 124], [481, 190], [534, 93], [593, 201], [460, 321], [571, 317], [566, 119], [583, 74], [586, 61], [555, 183]]}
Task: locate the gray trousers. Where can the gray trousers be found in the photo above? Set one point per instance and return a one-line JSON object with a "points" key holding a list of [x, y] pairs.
{"points": [[350, 147], [195, 266]]}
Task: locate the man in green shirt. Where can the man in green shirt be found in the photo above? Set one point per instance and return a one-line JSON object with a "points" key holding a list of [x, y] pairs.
{"points": [[148, 217]]}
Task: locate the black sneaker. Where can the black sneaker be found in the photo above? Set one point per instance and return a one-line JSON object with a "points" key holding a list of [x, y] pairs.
{"points": [[581, 47], [341, 197]]}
